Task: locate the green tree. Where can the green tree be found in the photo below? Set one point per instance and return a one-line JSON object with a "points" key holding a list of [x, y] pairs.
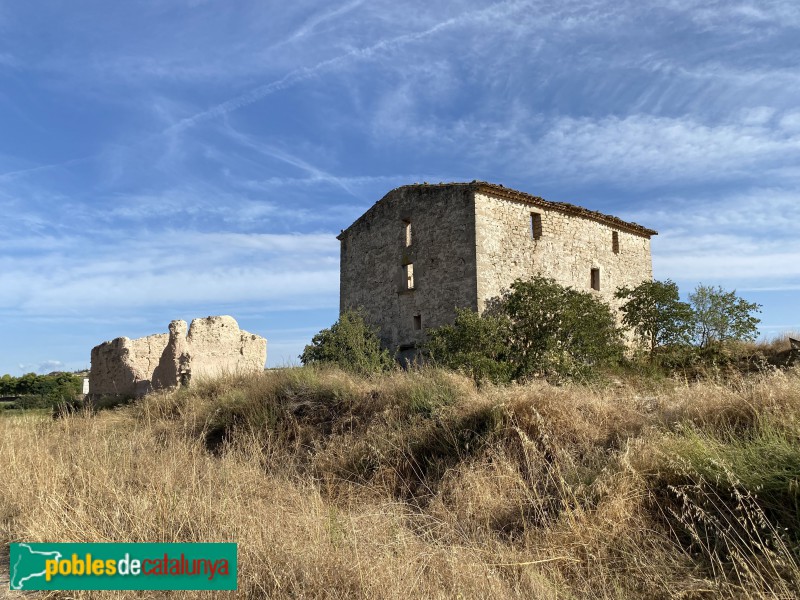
{"points": [[40, 391], [64, 387], [28, 384], [722, 316], [351, 344], [558, 330], [656, 314], [537, 327], [8, 385], [474, 344]]}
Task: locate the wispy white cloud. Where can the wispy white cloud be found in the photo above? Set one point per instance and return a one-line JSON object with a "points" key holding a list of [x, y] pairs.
{"points": [[382, 182], [255, 42], [638, 149], [728, 263], [642, 147], [47, 366], [316, 20], [362, 53], [198, 202], [741, 16], [744, 239], [176, 268], [33, 170], [753, 212], [193, 286]]}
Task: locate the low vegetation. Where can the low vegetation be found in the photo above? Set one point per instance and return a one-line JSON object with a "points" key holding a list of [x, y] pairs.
{"points": [[532, 457], [537, 328], [417, 484], [349, 344], [39, 391]]}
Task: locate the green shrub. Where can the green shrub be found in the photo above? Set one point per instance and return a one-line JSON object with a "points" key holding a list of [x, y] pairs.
{"points": [[538, 327], [349, 344], [475, 345], [557, 330]]}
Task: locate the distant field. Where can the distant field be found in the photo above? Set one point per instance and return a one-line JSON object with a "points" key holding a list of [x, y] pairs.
{"points": [[419, 485], [18, 412]]}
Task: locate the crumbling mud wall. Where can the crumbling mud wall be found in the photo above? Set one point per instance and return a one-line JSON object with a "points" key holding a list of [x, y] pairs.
{"points": [[208, 348], [124, 366], [212, 347]]}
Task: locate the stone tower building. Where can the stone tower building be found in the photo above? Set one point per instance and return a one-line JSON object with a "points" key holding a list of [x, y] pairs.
{"points": [[423, 250]]}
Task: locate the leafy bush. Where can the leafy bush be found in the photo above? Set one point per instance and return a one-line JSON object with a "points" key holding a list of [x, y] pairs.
{"points": [[41, 391], [558, 330], [351, 345], [536, 327], [474, 344]]}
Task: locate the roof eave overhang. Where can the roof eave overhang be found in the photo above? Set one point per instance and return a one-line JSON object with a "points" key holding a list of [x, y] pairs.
{"points": [[571, 209]]}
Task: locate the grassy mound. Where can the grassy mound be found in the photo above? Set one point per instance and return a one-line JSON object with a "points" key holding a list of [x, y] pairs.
{"points": [[420, 485]]}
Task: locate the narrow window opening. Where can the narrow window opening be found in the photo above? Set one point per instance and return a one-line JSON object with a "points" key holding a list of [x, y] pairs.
{"points": [[407, 227], [409, 276], [615, 242], [596, 279], [417, 322], [536, 226]]}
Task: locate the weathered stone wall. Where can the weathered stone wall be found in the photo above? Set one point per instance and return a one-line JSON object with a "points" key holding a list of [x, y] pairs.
{"points": [[469, 242], [216, 346], [375, 254], [124, 366], [213, 346], [567, 250]]}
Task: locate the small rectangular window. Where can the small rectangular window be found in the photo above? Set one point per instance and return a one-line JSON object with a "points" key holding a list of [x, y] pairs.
{"points": [[409, 276], [417, 322], [615, 242], [407, 227], [596, 279], [536, 226]]}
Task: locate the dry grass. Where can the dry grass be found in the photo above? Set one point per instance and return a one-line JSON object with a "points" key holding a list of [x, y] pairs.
{"points": [[417, 485]]}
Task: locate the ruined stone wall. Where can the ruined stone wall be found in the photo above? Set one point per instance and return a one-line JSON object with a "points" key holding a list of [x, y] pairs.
{"points": [[568, 248], [124, 366], [212, 346], [375, 255], [216, 346]]}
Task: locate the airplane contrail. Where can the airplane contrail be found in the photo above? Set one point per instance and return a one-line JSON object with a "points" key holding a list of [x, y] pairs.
{"points": [[304, 73]]}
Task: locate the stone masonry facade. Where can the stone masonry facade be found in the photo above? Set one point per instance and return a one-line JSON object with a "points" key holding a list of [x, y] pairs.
{"points": [[208, 348], [424, 250]]}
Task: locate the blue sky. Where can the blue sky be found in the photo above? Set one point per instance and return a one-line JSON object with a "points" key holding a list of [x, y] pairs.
{"points": [[178, 159]]}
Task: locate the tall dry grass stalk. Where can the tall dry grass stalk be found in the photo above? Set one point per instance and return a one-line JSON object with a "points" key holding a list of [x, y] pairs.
{"points": [[417, 485]]}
